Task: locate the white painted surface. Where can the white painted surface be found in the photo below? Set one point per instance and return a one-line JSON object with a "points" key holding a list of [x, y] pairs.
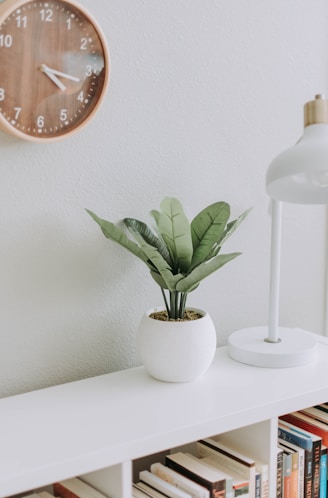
{"points": [[203, 95], [96, 423]]}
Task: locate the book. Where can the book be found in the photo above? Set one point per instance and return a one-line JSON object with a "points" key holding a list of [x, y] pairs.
{"points": [[75, 488], [160, 485], [293, 478], [317, 412], [287, 474], [257, 484], [147, 490], [138, 493], [231, 458], [261, 468], [296, 419], [289, 433], [309, 423], [279, 479], [210, 478], [180, 481], [323, 472], [228, 479], [323, 407], [299, 452], [239, 485]]}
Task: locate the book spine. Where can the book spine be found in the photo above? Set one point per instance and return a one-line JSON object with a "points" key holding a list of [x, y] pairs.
{"points": [[316, 451], [257, 485], [279, 483], [177, 480], [294, 439], [323, 473], [217, 489], [301, 470], [295, 474], [287, 475], [205, 448], [62, 491]]}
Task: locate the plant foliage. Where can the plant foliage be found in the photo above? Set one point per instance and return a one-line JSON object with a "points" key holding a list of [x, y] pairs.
{"points": [[179, 254]]}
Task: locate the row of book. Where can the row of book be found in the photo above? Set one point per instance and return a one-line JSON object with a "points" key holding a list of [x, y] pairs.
{"points": [[302, 453], [214, 470]]}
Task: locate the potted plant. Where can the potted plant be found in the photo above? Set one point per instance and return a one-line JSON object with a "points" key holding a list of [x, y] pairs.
{"points": [[179, 255]]}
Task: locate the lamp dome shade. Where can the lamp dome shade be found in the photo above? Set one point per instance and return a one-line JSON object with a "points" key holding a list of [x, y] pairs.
{"points": [[300, 174]]}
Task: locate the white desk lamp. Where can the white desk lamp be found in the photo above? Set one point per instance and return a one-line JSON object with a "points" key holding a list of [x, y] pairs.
{"points": [[298, 175]]}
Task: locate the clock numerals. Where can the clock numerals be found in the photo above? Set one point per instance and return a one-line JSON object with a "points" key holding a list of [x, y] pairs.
{"points": [[40, 122], [17, 112], [53, 68], [84, 44], [6, 41], [46, 15], [21, 21], [63, 115]]}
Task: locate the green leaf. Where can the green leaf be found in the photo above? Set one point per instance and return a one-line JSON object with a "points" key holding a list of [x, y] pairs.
{"points": [[206, 229], [204, 270], [156, 215], [174, 227], [137, 227], [157, 260], [233, 225], [115, 234]]}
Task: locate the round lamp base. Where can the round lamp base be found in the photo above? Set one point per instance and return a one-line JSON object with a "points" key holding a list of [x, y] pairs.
{"points": [[296, 347]]}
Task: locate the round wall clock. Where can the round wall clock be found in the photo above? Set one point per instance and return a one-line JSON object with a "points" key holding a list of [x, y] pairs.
{"points": [[54, 68]]}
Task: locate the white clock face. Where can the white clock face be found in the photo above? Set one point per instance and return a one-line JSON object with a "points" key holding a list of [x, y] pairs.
{"points": [[55, 68]]}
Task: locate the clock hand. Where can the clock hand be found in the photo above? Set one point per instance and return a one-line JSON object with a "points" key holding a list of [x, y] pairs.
{"points": [[63, 75], [44, 69]]}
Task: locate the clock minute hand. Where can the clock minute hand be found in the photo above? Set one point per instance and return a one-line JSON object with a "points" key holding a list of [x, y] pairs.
{"points": [[63, 75], [44, 69]]}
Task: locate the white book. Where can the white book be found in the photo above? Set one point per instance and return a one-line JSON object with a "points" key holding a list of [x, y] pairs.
{"points": [[161, 485], [77, 486], [231, 458], [240, 485], [171, 476], [149, 491], [193, 468], [139, 493], [229, 492]]}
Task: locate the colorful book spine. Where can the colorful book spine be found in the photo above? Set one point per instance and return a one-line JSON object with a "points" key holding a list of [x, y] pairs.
{"points": [[303, 426], [323, 472], [287, 432]]}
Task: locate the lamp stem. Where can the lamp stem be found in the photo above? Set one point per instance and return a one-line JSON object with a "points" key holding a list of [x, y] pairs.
{"points": [[274, 272]]}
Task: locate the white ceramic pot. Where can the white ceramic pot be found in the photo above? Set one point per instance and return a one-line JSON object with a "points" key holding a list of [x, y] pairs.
{"points": [[178, 351]]}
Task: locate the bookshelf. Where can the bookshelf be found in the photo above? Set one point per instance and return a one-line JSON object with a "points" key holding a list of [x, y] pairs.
{"points": [[96, 428]]}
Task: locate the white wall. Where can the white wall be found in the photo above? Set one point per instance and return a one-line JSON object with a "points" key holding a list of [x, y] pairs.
{"points": [[203, 95]]}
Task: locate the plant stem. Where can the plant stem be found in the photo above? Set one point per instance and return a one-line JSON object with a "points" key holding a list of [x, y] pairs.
{"points": [[172, 305], [183, 299], [165, 301]]}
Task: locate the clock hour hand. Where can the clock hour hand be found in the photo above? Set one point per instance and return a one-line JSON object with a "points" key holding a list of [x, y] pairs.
{"points": [[62, 75], [44, 69]]}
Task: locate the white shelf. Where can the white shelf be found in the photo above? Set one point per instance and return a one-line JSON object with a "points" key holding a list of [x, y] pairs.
{"points": [[84, 426]]}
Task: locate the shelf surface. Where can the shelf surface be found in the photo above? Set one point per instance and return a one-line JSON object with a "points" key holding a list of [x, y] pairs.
{"points": [[78, 427]]}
